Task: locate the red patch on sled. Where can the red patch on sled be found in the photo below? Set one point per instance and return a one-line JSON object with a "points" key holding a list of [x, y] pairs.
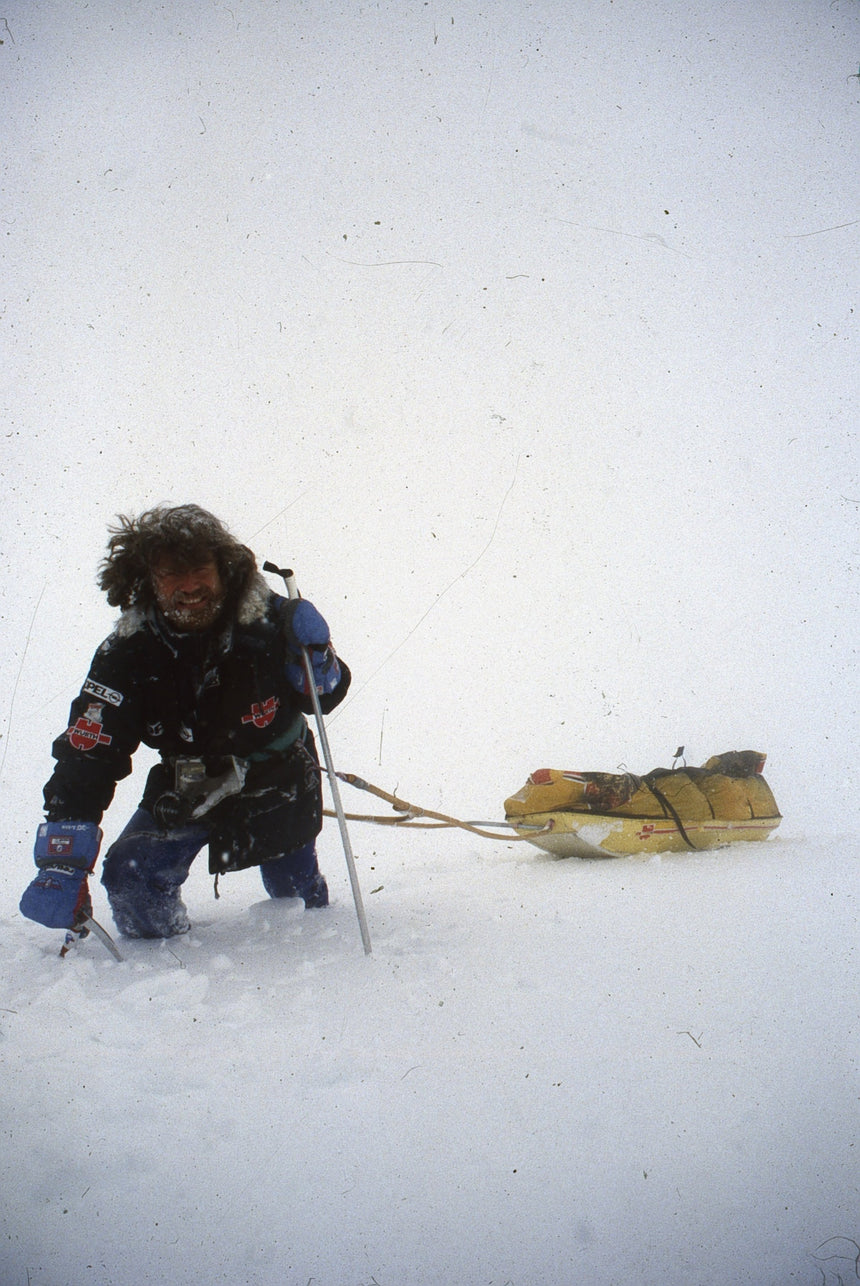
{"points": [[262, 712]]}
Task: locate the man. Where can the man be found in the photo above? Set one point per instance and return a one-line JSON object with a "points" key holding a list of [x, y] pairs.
{"points": [[205, 666]]}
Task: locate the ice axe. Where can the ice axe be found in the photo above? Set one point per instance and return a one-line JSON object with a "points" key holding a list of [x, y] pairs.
{"points": [[293, 592], [86, 924]]}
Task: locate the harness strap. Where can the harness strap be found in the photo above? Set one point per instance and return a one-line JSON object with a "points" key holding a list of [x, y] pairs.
{"points": [[292, 734]]}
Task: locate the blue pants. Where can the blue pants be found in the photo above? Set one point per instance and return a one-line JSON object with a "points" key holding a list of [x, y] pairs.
{"points": [[145, 868]]}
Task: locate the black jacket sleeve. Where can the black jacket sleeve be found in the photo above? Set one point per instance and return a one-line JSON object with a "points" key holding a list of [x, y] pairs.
{"points": [[95, 751]]}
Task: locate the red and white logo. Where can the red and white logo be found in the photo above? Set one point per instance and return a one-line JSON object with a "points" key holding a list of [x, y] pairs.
{"points": [[262, 712], [88, 732], [61, 845]]}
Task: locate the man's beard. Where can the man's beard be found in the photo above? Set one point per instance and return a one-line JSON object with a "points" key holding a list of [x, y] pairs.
{"points": [[196, 613]]}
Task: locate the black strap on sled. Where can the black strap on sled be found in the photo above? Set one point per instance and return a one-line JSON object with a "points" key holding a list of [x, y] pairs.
{"points": [[670, 811]]}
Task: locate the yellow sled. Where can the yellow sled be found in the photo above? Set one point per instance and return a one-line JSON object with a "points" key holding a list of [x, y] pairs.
{"points": [[669, 810]]}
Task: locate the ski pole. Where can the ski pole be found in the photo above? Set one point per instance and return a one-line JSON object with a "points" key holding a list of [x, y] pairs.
{"points": [[293, 592]]}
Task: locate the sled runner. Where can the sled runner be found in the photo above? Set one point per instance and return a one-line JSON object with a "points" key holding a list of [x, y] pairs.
{"points": [[596, 814]]}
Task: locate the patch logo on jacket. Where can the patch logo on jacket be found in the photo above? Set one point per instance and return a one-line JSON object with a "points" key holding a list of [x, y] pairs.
{"points": [[110, 695], [87, 732], [262, 712]]}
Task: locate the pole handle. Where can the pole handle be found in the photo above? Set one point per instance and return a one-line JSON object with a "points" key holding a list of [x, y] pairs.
{"points": [[288, 575]]}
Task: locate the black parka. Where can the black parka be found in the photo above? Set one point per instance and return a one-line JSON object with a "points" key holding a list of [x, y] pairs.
{"points": [[209, 695]]}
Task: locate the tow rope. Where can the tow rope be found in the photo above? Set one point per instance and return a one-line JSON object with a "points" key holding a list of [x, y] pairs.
{"points": [[409, 814]]}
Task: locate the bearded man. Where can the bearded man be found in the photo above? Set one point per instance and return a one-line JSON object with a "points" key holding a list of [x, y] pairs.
{"points": [[205, 666]]}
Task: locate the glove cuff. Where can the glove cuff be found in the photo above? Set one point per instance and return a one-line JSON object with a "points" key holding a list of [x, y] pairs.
{"points": [[73, 845]]}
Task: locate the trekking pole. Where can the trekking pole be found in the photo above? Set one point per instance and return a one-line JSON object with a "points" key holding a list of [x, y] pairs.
{"points": [[293, 592]]}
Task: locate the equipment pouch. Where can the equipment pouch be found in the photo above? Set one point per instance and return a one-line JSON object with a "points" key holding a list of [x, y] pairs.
{"points": [[196, 792]]}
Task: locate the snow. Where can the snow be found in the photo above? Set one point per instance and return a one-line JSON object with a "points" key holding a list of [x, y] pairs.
{"points": [[526, 334]]}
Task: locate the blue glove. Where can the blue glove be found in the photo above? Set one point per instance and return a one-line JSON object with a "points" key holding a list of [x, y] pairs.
{"points": [[304, 625], [326, 671], [65, 853]]}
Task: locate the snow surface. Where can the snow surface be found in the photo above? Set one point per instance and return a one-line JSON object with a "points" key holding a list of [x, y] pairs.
{"points": [[527, 334]]}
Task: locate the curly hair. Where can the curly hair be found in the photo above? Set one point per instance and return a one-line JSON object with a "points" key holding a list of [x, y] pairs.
{"points": [[188, 534]]}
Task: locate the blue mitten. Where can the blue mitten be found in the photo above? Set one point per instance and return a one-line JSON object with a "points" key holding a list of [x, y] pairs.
{"points": [[304, 625], [326, 671], [65, 854], [306, 628]]}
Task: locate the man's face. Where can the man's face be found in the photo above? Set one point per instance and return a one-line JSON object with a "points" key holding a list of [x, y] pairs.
{"points": [[191, 597]]}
